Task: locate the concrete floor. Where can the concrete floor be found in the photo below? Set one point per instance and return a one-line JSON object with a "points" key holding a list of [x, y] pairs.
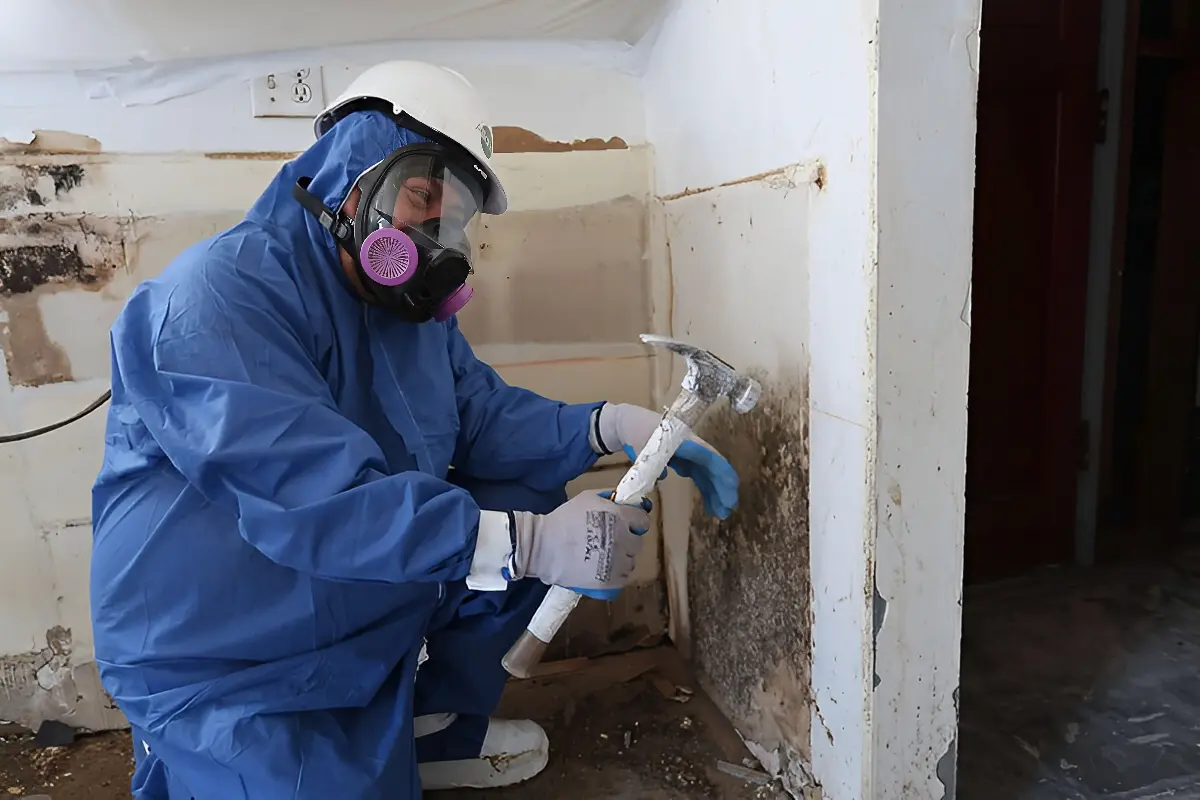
{"points": [[1082, 685]]}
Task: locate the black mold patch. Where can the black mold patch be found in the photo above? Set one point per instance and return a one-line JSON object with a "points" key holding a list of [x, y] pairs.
{"points": [[749, 589], [65, 176], [23, 269], [24, 190]]}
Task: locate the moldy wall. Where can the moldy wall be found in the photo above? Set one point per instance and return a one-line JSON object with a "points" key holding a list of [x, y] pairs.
{"points": [[765, 173]]}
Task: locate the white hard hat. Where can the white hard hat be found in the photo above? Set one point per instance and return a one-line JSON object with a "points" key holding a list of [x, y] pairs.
{"points": [[439, 99]]}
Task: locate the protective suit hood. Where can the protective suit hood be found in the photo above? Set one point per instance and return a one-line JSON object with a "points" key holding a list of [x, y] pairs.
{"points": [[335, 161]]}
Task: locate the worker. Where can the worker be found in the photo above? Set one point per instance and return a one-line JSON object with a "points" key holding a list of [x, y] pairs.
{"points": [[321, 520]]}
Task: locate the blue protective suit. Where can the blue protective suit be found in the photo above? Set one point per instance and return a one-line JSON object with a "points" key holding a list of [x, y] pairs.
{"points": [[276, 522]]}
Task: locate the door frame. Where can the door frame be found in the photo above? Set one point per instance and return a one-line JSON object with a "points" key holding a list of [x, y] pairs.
{"points": [[1120, 30]]}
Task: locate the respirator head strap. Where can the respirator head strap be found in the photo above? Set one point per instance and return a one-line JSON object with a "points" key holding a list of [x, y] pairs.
{"points": [[337, 223]]}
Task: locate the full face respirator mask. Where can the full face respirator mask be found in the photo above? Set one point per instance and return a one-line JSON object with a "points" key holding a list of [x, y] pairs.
{"points": [[409, 235]]}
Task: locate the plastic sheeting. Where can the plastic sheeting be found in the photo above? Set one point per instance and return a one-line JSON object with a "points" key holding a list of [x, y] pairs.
{"points": [[60, 35]]}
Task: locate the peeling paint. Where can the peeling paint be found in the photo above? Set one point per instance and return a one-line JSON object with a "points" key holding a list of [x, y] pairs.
{"points": [[748, 577], [947, 769], [52, 142], [47, 684], [879, 611], [511, 139]]}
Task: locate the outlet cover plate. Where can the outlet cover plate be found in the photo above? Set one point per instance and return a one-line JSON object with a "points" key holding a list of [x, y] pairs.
{"points": [[298, 93]]}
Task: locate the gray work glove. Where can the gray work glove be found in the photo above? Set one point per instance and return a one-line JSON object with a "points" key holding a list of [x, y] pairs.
{"points": [[589, 542]]}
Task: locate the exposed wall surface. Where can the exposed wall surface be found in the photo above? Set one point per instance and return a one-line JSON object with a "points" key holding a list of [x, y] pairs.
{"points": [[928, 76], [84, 218], [765, 167]]}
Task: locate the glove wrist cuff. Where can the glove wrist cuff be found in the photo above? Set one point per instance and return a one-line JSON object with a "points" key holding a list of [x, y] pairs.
{"points": [[603, 433], [595, 432], [493, 556]]}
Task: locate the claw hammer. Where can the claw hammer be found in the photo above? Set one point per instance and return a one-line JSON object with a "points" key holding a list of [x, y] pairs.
{"points": [[707, 380]]}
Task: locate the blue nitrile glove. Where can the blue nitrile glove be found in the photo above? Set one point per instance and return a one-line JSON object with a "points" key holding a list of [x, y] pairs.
{"points": [[628, 428], [608, 595]]}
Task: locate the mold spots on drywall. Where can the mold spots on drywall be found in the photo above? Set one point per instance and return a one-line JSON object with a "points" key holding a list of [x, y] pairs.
{"points": [[511, 139], [748, 576], [29, 186], [42, 254]]}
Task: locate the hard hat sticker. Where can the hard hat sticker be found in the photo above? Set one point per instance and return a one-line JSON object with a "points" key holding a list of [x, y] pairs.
{"points": [[485, 139]]}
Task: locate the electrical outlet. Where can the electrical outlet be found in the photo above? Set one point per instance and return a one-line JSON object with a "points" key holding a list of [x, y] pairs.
{"points": [[298, 93]]}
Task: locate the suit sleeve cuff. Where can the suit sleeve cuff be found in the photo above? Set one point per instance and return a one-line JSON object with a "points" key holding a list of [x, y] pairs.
{"points": [[493, 553]]}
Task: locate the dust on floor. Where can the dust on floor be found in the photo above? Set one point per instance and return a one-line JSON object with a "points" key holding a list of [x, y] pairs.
{"points": [[1083, 685], [631, 727]]}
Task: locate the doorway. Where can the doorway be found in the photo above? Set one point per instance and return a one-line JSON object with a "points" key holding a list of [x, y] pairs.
{"points": [[1075, 676]]}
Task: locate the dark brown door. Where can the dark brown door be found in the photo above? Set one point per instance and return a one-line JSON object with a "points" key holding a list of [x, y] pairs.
{"points": [[1037, 129]]}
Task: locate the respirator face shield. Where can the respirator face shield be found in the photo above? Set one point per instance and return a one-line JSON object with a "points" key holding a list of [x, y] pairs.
{"points": [[410, 239]]}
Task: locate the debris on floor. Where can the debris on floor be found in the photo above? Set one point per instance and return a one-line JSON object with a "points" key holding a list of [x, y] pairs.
{"points": [[616, 731], [90, 768]]}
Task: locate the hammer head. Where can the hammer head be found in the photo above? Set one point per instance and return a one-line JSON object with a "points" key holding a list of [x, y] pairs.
{"points": [[708, 377]]}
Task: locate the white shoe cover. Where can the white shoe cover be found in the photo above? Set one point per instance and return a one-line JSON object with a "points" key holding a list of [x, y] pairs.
{"points": [[513, 751]]}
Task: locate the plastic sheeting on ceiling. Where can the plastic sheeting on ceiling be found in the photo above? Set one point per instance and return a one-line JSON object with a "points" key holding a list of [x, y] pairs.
{"points": [[69, 35]]}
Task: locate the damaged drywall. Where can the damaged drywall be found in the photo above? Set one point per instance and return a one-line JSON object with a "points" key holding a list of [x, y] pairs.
{"points": [[511, 139], [49, 141], [37, 184], [47, 684], [749, 585], [42, 254]]}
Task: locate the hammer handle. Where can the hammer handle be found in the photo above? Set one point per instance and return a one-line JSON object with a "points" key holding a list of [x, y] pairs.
{"points": [[639, 480]]}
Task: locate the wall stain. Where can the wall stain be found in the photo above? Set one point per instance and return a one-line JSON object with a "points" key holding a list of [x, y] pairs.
{"points": [[511, 139], [265, 155], [523, 266], [41, 254], [33, 359], [789, 177], [749, 588]]}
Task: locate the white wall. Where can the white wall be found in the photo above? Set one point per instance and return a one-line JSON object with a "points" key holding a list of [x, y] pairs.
{"points": [[776, 272], [155, 188], [560, 102], [928, 75]]}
